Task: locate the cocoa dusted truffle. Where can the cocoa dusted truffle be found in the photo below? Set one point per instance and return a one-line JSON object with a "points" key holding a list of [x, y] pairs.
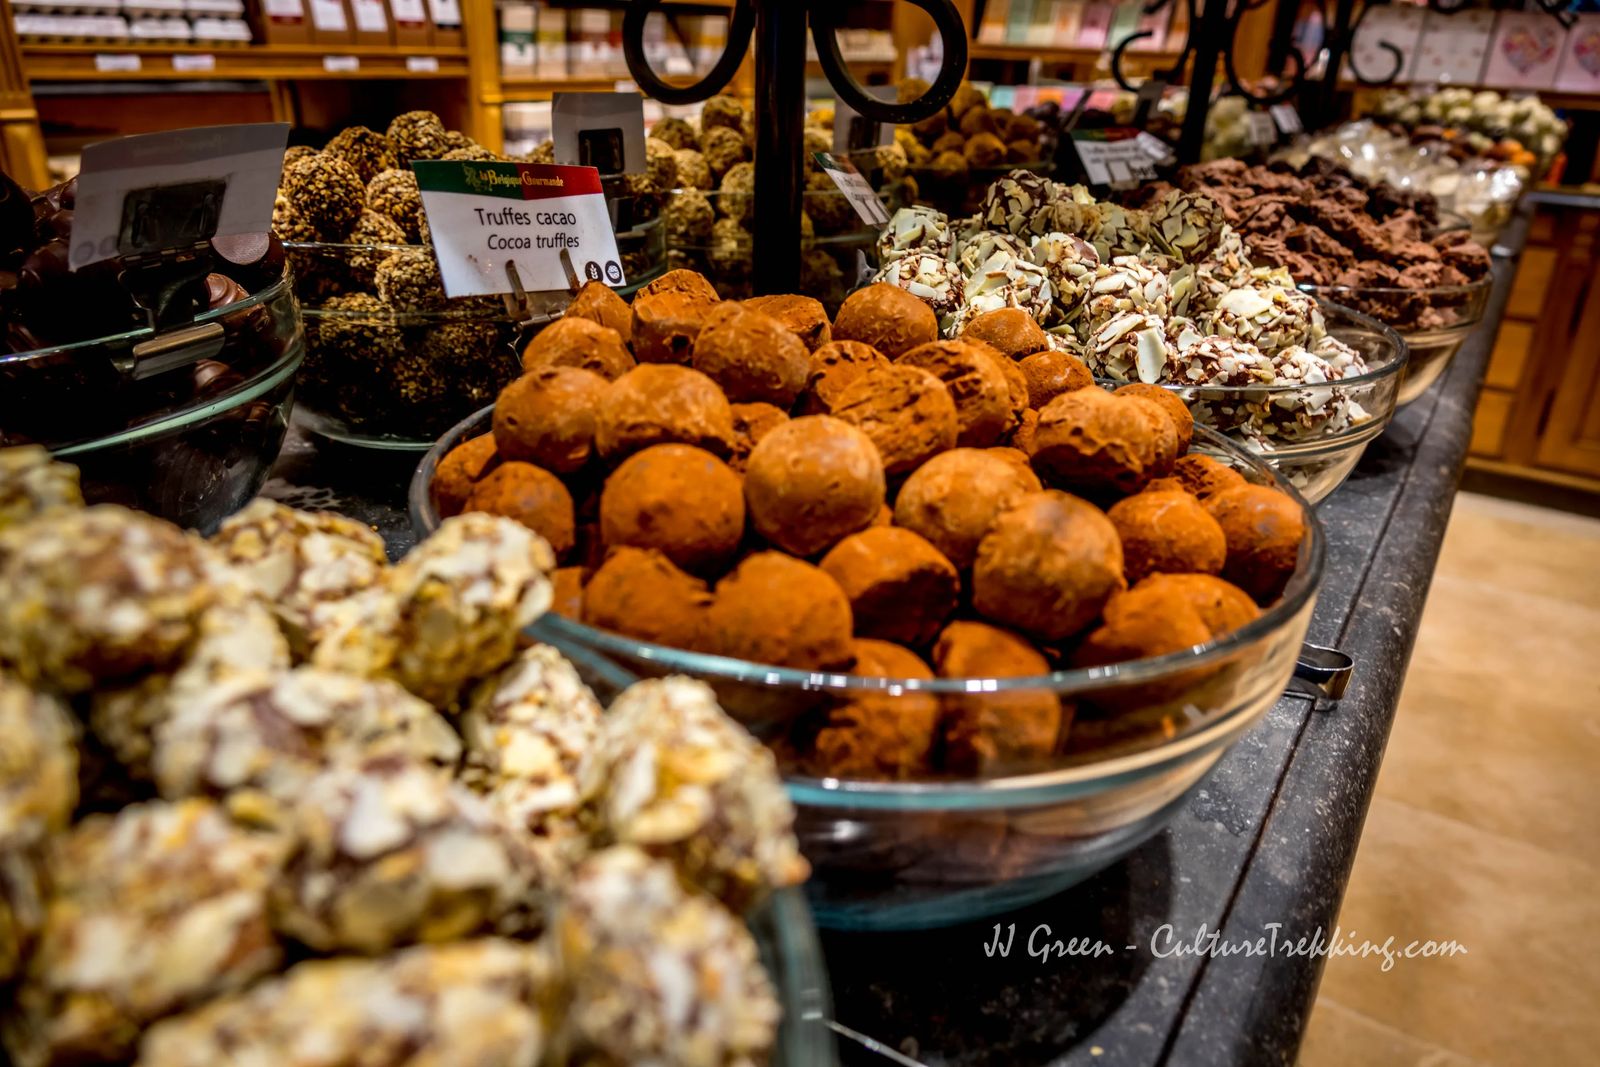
{"points": [[803, 316], [640, 593], [1221, 605], [659, 403], [812, 481], [1204, 476], [576, 341], [906, 411], [752, 422], [991, 733], [783, 611], [982, 391], [688, 283], [900, 588], [1051, 373], [531, 495], [680, 500], [1091, 441], [599, 303], [1047, 566], [666, 323], [1163, 434], [1139, 625], [1010, 331], [874, 734], [753, 356], [547, 417], [1264, 529], [834, 367], [566, 591], [1171, 403], [954, 498], [886, 317], [1167, 533]]}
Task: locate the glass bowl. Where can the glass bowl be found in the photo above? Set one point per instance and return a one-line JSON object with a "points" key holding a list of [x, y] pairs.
{"points": [[940, 850], [184, 424], [1433, 323]]}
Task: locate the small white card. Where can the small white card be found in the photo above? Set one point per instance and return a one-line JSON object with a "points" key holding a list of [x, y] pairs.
{"points": [[1262, 130], [602, 130], [1287, 118], [1118, 163], [550, 223], [854, 187], [193, 64], [422, 64], [329, 16], [371, 16], [408, 12], [106, 64], [341, 64], [1156, 148]]}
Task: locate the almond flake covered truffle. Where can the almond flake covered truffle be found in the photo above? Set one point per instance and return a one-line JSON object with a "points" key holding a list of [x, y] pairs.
{"points": [[929, 277], [1071, 264], [1125, 284], [972, 252], [916, 229], [38, 766], [32, 484], [1220, 360], [1131, 346], [1270, 318], [1011, 202]]}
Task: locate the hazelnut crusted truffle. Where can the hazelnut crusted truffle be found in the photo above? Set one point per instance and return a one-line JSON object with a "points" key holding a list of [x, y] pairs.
{"points": [[1167, 533], [1051, 373], [1204, 476], [995, 732], [325, 193], [886, 317], [601, 304], [783, 611], [576, 341], [812, 481], [1091, 441], [1010, 331], [640, 593], [752, 356], [803, 316], [954, 498], [394, 193], [977, 382], [532, 496], [1263, 528], [680, 500], [367, 151], [547, 417], [900, 588], [833, 367], [693, 170], [906, 411], [1171, 403], [874, 734], [752, 422], [656, 404], [409, 281], [1221, 605], [418, 135], [1047, 566]]}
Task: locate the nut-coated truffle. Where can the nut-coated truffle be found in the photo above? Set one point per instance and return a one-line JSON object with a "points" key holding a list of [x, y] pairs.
{"points": [[575, 341], [1167, 533], [677, 499], [1263, 528], [776, 609], [547, 417], [875, 735], [753, 356], [638, 592], [656, 404], [995, 732], [1047, 566], [1221, 605], [461, 468], [983, 394], [531, 495], [1010, 331], [1051, 373], [1091, 441], [906, 411], [811, 482], [1171, 403], [900, 588], [752, 422], [955, 497], [803, 316], [886, 317], [1204, 476], [833, 367], [597, 302]]}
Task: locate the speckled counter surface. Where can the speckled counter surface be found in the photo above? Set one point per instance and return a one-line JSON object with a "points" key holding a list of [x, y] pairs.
{"points": [[1263, 849]]}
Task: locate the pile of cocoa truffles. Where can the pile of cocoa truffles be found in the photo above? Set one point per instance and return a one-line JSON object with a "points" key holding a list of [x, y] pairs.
{"points": [[751, 479]]}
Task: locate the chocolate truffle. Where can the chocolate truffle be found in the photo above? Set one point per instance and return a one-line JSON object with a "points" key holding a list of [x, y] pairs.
{"points": [[394, 193], [1047, 566], [1167, 533], [1204, 476], [547, 417], [677, 499], [599, 303], [566, 592], [752, 356], [1022, 440], [1051, 373], [1263, 528], [1221, 605], [900, 588], [874, 734], [783, 611], [1138, 626], [666, 323], [906, 411], [693, 170], [687, 283], [1017, 383], [886, 317], [367, 151], [812, 481], [576, 341], [954, 498], [659, 403], [1091, 441], [994, 732], [803, 316], [1171, 403], [418, 135], [834, 366], [977, 383], [531, 495], [1010, 331], [1163, 434], [752, 422], [638, 592], [326, 193]]}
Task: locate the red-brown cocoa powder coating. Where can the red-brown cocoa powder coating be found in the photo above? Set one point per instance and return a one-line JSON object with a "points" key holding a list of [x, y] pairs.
{"points": [[1163, 435], [599, 303], [834, 367], [1090, 441], [1221, 605], [1169, 402], [1204, 476], [566, 592], [1167, 533], [995, 732], [1047, 566], [666, 325], [1051, 373], [900, 587], [1263, 528], [680, 282], [1010, 331], [886, 317], [679, 500], [978, 384], [547, 417], [459, 471], [875, 735], [812, 481], [1017, 383], [752, 422], [577, 342], [1024, 439], [906, 411], [783, 611], [803, 316], [1142, 626], [639, 593], [753, 357], [656, 404], [953, 499], [534, 497]]}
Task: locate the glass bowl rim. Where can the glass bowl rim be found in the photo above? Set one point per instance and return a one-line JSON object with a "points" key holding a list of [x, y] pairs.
{"points": [[1472, 288]]}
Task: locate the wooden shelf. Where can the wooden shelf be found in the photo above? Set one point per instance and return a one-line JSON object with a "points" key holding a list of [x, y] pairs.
{"points": [[1022, 53], [83, 62]]}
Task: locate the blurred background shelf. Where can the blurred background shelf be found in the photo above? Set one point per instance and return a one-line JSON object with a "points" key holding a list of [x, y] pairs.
{"points": [[104, 62]]}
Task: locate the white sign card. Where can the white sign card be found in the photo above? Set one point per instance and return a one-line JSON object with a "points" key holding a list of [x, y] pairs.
{"points": [[1287, 118], [549, 223], [602, 130], [854, 187], [1116, 162], [1263, 131]]}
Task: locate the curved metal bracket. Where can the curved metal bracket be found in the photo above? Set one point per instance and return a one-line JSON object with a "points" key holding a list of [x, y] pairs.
{"points": [[1291, 81], [741, 24], [952, 31]]}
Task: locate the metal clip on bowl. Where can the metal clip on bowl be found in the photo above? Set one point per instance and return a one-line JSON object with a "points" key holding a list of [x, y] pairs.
{"points": [[1323, 673]]}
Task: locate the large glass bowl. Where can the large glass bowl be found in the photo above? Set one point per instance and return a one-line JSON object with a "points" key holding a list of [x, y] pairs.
{"points": [[941, 850], [184, 424], [1433, 323]]}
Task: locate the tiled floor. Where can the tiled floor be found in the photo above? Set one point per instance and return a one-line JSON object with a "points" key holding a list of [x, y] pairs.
{"points": [[1485, 828]]}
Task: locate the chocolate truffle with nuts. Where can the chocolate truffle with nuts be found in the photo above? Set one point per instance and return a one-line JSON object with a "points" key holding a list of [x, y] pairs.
{"points": [[531, 495], [783, 611], [874, 734], [640, 593], [803, 316], [326, 193], [1167, 533], [978, 384], [574, 341], [1047, 566], [1263, 528], [906, 411], [991, 733], [752, 356], [418, 135], [955, 497], [547, 417], [886, 317], [367, 151], [659, 403], [394, 193], [811, 482], [679, 500], [900, 588], [1090, 441]]}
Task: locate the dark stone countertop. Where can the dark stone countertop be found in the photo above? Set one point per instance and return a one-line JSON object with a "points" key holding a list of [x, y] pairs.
{"points": [[1269, 837]]}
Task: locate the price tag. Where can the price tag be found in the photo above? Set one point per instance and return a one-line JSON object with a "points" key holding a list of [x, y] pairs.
{"points": [[422, 64], [341, 64], [106, 64], [194, 64], [167, 190], [371, 16], [854, 187], [329, 16], [550, 223], [1157, 149], [1117, 161], [408, 12], [1287, 118], [1261, 128]]}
